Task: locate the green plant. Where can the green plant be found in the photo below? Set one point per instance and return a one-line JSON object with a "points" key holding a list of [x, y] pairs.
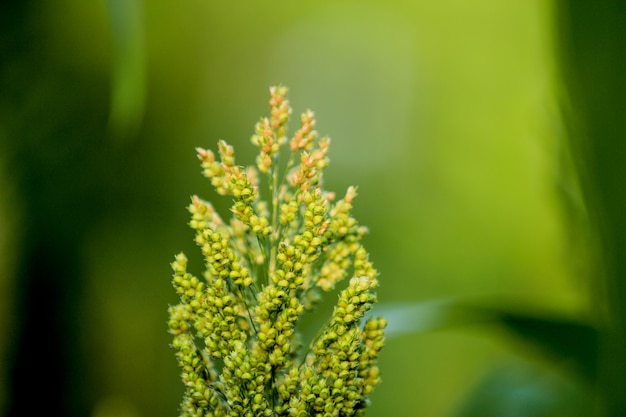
{"points": [[235, 330]]}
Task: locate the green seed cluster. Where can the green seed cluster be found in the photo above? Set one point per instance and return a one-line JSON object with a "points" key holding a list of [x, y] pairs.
{"points": [[234, 330]]}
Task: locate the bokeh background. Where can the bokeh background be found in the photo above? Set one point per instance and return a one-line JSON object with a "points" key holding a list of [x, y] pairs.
{"points": [[486, 138]]}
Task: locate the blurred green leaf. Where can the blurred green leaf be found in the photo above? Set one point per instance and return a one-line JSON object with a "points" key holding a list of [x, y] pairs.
{"points": [[563, 340], [128, 78], [521, 389], [593, 58], [425, 316]]}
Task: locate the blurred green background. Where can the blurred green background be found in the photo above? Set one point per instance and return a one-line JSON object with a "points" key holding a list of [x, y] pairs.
{"points": [[486, 138]]}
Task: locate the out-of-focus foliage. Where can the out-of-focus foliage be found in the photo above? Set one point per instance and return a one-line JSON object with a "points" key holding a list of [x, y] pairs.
{"points": [[521, 389], [466, 183], [593, 58]]}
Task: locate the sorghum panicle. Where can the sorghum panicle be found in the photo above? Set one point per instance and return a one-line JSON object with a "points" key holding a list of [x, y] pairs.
{"points": [[235, 328]]}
